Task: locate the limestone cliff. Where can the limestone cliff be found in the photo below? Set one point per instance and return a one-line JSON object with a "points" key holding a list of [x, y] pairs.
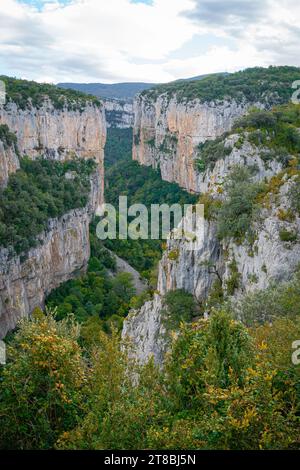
{"points": [[9, 161], [171, 120], [63, 251], [167, 132], [119, 113]]}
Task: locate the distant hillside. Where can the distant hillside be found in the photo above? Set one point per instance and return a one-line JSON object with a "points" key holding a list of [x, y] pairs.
{"points": [[201, 77], [120, 91]]}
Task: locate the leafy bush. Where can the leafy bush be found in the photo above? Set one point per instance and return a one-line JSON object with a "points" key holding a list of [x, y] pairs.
{"points": [[210, 152], [41, 386], [288, 236], [173, 255], [233, 281], [117, 413], [211, 204], [264, 306], [179, 306], [256, 119], [295, 196]]}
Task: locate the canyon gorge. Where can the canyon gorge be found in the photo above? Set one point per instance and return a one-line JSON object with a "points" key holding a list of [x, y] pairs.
{"points": [[63, 249]]}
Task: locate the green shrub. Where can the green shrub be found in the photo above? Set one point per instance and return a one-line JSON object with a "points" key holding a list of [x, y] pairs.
{"points": [[8, 138], [211, 204], [210, 152], [173, 255], [41, 386], [256, 119], [264, 306], [233, 281], [151, 142], [295, 196]]}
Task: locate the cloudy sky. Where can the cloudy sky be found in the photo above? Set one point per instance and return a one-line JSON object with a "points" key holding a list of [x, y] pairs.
{"points": [[144, 40]]}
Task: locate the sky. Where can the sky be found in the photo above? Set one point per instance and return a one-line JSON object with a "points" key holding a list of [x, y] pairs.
{"points": [[158, 41]]}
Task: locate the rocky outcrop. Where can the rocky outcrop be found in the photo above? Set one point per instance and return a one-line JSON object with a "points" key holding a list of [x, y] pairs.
{"points": [[167, 132], [119, 113], [58, 134], [9, 162], [63, 252]]}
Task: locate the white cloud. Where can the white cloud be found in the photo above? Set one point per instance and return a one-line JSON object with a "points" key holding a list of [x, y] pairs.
{"points": [[117, 40], [270, 27], [92, 39]]}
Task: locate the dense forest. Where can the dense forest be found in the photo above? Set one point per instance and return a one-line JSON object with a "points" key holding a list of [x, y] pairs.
{"points": [[272, 85], [140, 184], [28, 93]]}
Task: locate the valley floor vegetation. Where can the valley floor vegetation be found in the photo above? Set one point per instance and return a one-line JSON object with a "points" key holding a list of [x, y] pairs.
{"points": [[101, 299], [140, 184]]}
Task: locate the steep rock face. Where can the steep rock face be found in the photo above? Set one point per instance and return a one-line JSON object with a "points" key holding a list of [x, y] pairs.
{"points": [[58, 134], [63, 251], [144, 327], [167, 132], [9, 162], [245, 154], [119, 113], [269, 259]]}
